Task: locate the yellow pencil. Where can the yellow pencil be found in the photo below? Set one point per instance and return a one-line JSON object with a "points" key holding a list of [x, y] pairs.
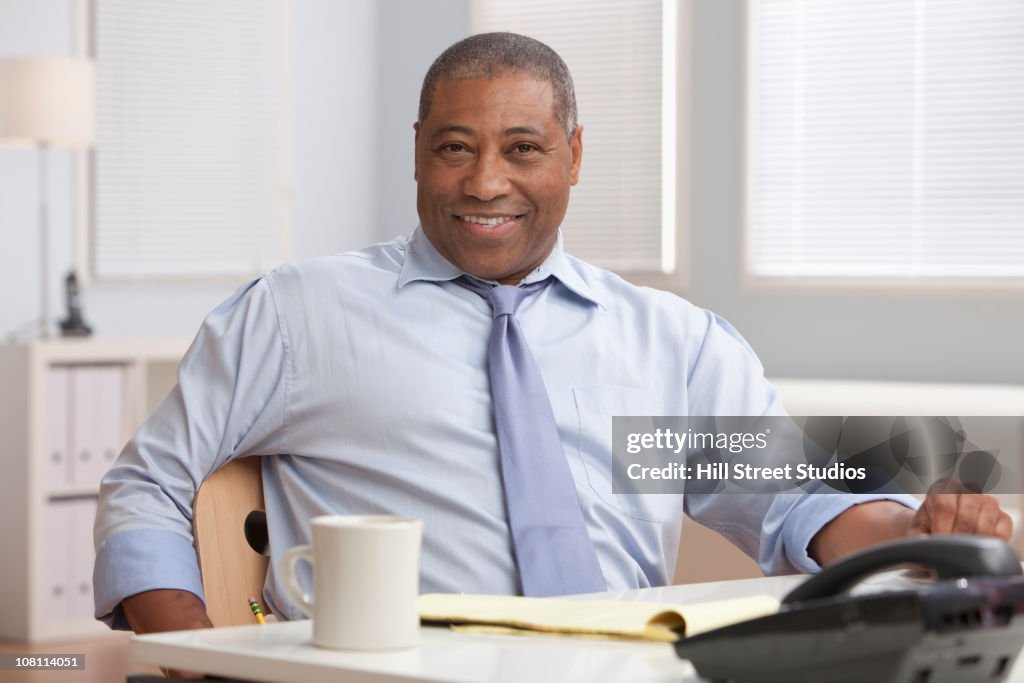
{"points": [[256, 611]]}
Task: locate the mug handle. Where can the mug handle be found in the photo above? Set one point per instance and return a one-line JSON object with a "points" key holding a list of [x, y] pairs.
{"points": [[290, 581]]}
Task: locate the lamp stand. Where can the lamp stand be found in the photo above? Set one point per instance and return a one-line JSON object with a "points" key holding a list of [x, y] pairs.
{"points": [[44, 240]]}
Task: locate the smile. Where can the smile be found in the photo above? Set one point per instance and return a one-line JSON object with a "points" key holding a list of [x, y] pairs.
{"points": [[488, 221], [490, 228]]}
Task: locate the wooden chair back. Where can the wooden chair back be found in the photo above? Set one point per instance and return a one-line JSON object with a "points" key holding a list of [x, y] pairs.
{"points": [[231, 570]]}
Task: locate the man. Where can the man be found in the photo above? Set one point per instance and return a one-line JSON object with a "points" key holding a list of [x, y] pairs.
{"points": [[364, 379]]}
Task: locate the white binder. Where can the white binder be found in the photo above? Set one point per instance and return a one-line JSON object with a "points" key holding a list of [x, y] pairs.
{"points": [[58, 533], [97, 419], [82, 559], [69, 559], [57, 436]]}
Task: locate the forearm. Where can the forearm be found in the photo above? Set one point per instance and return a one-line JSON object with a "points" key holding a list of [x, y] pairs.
{"points": [[165, 610], [859, 527]]}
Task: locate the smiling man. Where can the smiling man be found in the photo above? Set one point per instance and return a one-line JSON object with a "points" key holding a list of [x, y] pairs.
{"points": [[466, 375], [494, 164]]}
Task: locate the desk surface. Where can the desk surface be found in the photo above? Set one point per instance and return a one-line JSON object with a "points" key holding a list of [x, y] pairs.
{"points": [[283, 653]]}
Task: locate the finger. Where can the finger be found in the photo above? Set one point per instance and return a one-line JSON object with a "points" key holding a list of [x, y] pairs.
{"points": [[941, 512], [921, 523], [988, 517], [968, 510], [1004, 527]]}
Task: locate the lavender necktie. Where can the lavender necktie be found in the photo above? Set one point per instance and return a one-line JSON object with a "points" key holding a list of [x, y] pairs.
{"points": [[553, 552]]}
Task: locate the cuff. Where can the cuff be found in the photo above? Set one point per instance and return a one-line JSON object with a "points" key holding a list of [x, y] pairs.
{"points": [[817, 511], [141, 560]]}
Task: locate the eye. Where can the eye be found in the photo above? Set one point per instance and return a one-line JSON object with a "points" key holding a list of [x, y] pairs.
{"points": [[525, 148], [454, 147]]}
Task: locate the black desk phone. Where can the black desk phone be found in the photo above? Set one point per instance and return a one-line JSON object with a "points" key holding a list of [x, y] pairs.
{"points": [[966, 627]]}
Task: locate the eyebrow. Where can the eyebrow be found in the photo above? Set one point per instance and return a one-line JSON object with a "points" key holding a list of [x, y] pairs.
{"points": [[523, 130], [466, 130]]}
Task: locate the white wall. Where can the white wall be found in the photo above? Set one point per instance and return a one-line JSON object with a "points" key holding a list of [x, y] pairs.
{"points": [[411, 34], [333, 92]]}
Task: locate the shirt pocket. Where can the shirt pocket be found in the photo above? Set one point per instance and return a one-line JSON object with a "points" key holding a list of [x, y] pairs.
{"points": [[595, 407]]}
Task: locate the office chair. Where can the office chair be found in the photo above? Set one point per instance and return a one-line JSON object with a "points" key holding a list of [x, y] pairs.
{"points": [[228, 522]]}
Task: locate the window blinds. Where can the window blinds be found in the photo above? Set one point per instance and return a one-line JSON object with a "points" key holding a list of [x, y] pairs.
{"points": [[189, 165], [622, 58], [886, 139]]}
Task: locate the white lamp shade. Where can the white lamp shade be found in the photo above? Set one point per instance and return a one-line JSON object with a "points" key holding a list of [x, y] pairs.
{"points": [[48, 101]]}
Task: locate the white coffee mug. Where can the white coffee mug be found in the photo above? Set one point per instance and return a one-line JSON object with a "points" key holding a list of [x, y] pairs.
{"points": [[365, 581]]}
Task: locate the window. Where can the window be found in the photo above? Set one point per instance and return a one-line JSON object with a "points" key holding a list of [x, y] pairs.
{"points": [[189, 174], [885, 139], [623, 58]]}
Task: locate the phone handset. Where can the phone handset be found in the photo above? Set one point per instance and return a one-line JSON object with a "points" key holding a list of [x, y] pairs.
{"points": [[949, 557]]}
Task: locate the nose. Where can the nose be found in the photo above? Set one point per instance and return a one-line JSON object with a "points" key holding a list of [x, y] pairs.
{"points": [[488, 178]]}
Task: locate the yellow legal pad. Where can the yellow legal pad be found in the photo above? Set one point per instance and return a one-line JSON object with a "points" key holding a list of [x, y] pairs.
{"points": [[616, 619]]}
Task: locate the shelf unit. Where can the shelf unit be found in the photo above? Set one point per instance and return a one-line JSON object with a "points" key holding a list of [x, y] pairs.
{"points": [[46, 527]]}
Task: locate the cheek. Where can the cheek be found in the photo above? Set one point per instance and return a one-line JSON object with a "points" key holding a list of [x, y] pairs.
{"points": [[555, 194], [438, 183], [429, 190]]}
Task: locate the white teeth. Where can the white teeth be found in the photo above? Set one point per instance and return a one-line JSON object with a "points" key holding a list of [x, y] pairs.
{"points": [[481, 220]]}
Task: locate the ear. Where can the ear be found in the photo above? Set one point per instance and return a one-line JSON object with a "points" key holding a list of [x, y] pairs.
{"points": [[415, 156], [576, 155]]}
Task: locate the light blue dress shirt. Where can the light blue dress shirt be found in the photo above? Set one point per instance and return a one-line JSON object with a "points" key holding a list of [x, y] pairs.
{"points": [[363, 377]]}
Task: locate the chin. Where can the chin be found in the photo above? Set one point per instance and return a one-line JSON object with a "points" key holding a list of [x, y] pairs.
{"points": [[489, 271]]}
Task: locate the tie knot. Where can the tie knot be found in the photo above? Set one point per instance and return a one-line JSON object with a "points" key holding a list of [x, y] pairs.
{"points": [[505, 299]]}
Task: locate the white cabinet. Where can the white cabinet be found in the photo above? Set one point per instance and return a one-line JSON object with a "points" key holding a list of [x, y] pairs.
{"points": [[66, 409]]}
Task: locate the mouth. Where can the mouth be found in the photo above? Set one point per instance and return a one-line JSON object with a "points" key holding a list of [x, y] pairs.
{"points": [[490, 226]]}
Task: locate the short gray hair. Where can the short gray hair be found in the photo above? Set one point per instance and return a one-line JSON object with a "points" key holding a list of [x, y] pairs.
{"points": [[487, 55]]}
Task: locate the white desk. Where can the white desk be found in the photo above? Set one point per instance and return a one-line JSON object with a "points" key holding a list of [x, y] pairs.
{"points": [[283, 653]]}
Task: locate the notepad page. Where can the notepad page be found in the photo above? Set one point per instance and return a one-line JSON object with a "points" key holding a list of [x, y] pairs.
{"points": [[648, 620]]}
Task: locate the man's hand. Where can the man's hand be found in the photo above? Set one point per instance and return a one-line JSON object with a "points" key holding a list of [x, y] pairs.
{"points": [[942, 512], [166, 610], [947, 510]]}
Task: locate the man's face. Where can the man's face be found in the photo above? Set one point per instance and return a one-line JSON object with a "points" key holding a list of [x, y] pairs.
{"points": [[493, 172]]}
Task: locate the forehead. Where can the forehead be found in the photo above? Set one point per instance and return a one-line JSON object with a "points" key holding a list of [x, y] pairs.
{"points": [[506, 99]]}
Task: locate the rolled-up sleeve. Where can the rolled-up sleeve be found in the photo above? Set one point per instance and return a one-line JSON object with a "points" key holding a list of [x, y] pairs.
{"points": [[230, 401], [775, 529], [806, 518]]}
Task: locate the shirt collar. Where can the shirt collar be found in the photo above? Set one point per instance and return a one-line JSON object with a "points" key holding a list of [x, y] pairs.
{"points": [[424, 262]]}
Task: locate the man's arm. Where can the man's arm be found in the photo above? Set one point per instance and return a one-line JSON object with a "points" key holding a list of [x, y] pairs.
{"points": [[229, 401], [776, 530], [876, 522], [165, 610]]}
